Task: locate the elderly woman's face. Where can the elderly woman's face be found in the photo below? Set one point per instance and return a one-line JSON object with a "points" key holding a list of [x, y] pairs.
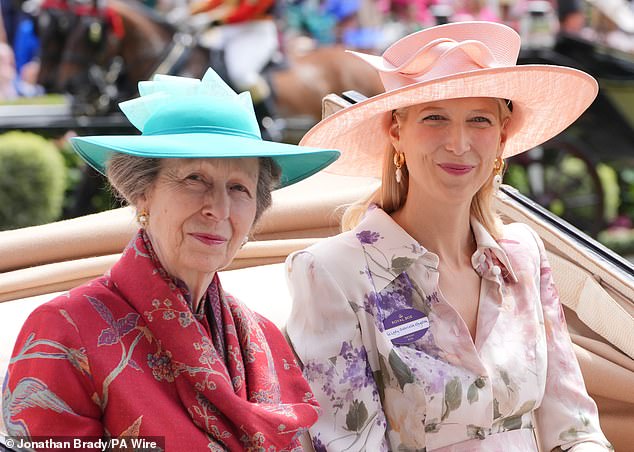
{"points": [[200, 211], [450, 146]]}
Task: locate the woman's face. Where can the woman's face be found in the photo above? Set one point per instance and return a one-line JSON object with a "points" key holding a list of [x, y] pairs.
{"points": [[200, 211], [450, 147]]}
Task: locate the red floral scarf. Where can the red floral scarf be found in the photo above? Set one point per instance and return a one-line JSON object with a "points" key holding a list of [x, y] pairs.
{"points": [[258, 400]]}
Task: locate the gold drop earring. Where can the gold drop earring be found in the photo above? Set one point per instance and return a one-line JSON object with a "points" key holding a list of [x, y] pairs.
{"points": [[399, 161], [498, 169], [143, 218]]}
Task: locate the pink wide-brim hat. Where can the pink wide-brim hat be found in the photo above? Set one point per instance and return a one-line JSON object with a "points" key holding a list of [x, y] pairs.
{"points": [[464, 59]]}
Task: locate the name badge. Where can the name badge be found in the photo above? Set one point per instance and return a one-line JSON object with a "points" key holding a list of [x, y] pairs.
{"points": [[406, 326]]}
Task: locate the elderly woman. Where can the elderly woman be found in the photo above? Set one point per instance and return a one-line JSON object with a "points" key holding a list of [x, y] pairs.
{"points": [[155, 348], [430, 325]]}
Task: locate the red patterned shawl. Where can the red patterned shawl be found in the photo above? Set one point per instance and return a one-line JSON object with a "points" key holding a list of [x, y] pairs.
{"points": [[253, 398]]}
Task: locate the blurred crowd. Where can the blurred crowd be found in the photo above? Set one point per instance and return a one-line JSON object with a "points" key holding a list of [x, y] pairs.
{"points": [[19, 47], [372, 25], [298, 25]]}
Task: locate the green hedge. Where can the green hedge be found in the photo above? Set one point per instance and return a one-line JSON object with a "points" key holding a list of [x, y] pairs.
{"points": [[619, 240], [32, 180]]}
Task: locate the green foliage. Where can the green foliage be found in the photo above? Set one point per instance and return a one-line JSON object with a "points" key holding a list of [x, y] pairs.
{"points": [[73, 163], [610, 184], [516, 176], [627, 195], [32, 180], [621, 241], [46, 99], [77, 169]]}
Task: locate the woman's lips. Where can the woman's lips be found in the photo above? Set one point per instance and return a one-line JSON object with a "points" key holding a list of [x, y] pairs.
{"points": [[456, 168], [209, 239]]}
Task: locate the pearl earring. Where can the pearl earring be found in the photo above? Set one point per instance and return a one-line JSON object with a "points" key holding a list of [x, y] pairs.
{"points": [[143, 218]]}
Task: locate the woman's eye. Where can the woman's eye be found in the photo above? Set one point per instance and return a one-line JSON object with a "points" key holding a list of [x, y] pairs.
{"points": [[481, 119], [433, 118], [240, 188], [194, 178]]}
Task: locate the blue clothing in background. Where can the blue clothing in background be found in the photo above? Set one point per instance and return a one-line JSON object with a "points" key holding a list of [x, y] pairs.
{"points": [[341, 9], [26, 43]]}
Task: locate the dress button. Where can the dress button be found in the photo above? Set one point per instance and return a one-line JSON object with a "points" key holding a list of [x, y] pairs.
{"points": [[480, 382], [482, 258], [496, 270]]}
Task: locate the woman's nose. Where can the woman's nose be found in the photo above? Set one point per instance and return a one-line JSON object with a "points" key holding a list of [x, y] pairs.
{"points": [[216, 204], [458, 140]]}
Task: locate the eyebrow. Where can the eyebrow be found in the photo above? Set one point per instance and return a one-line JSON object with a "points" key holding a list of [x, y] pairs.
{"points": [[437, 108]]}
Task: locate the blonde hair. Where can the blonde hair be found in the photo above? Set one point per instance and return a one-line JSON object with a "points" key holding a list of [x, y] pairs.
{"points": [[391, 196]]}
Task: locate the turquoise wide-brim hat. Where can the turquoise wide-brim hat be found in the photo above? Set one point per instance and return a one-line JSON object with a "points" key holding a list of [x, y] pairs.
{"points": [[182, 117]]}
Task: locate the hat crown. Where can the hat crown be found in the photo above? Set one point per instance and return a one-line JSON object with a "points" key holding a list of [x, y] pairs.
{"points": [[446, 50], [195, 115]]}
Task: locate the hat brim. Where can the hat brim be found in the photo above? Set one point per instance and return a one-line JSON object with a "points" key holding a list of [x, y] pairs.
{"points": [[546, 100], [296, 162]]}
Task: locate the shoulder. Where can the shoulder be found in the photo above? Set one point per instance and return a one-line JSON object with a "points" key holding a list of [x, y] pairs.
{"points": [[525, 251], [75, 307], [520, 238], [335, 254], [327, 249]]}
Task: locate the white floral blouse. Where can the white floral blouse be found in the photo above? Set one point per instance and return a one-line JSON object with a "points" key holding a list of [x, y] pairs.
{"points": [[393, 364]]}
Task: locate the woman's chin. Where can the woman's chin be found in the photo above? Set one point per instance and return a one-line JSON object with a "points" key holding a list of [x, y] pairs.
{"points": [[208, 262]]}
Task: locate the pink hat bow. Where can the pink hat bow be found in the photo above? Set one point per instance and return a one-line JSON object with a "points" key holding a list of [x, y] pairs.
{"points": [[412, 59]]}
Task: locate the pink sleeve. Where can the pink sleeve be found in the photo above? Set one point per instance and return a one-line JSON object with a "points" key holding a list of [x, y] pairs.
{"points": [[567, 416]]}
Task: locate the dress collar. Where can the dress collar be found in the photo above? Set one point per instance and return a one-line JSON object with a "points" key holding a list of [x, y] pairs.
{"points": [[490, 255], [389, 250]]}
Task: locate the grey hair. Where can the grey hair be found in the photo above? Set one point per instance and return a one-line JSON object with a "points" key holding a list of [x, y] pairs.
{"points": [[131, 177]]}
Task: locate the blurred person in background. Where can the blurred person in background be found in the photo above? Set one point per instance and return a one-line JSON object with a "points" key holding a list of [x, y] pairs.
{"points": [[8, 73], [3, 31], [475, 10], [26, 84], [571, 16], [246, 31]]}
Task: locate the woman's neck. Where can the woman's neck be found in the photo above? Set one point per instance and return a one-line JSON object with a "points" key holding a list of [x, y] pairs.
{"points": [[197, 285], [196, 282], [443, 229]]}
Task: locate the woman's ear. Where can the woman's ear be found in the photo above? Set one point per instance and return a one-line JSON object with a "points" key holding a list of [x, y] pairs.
{"points": [[395, 131], [503, 135], [142, 203]]}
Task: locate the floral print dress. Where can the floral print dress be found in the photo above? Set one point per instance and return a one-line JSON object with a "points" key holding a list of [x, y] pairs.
{"points": [[394, 366]]}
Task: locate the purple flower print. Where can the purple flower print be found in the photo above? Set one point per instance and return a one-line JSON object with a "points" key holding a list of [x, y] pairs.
{"points": [[397, 295], [315, 371], [357, 373], [436, 380], [368, 237], [317, 444]]}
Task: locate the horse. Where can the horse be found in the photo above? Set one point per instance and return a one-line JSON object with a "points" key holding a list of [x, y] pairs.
{"points": [[54, 23], [127, 42]]}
